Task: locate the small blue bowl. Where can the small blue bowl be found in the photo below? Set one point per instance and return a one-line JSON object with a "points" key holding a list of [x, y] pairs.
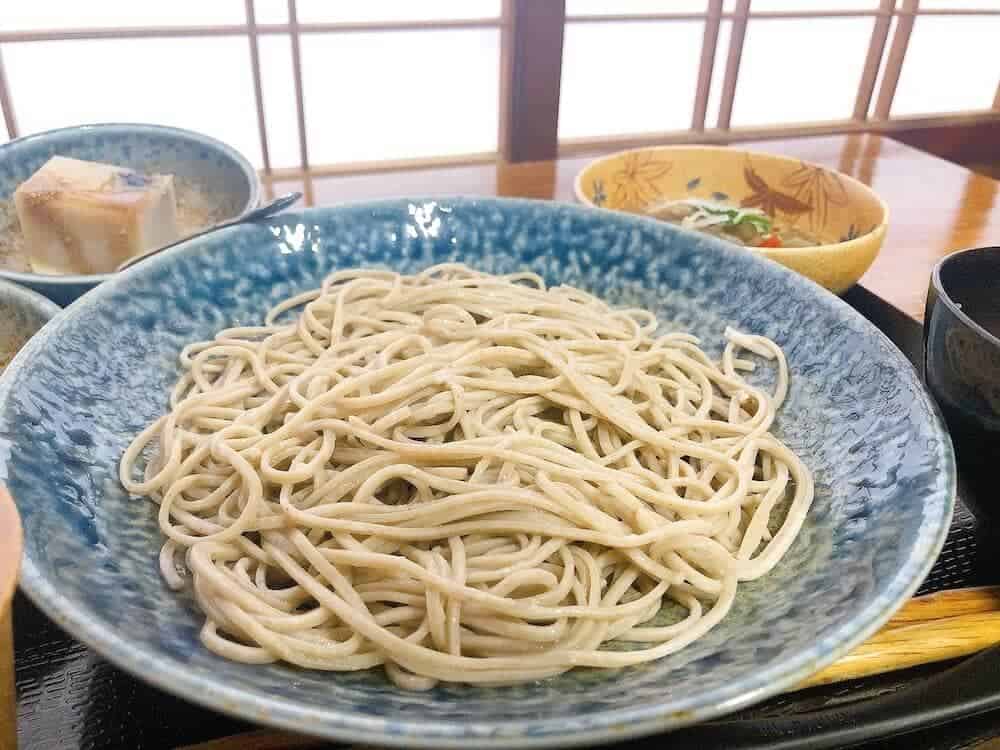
{"points": [[856, 413], [22, 313], [219, 170]]}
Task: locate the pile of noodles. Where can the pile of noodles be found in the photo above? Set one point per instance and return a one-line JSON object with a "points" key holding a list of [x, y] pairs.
{"points": [[465, 477]]}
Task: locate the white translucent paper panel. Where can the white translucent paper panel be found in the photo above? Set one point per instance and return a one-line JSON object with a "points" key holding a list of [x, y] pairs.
{"points": [[325, 11], [718, 74], [86, 14], [628, 77], [951, 65], [393, 95], [800, 70], [271, 11], [278, 84], [201, 84], [951, 4], [632, 7], [812, 5]]}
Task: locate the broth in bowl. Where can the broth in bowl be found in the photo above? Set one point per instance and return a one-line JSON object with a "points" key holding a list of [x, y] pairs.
{"points": [[749, 227]]}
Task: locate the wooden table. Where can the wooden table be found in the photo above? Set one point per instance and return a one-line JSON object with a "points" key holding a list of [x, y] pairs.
{"points": [[936, 207]]}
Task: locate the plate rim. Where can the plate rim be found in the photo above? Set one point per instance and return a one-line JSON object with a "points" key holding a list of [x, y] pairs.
{"points": [[609, 725]]}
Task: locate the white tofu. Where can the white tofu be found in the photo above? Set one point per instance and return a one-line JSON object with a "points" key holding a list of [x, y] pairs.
{"points": [[84, 217]]}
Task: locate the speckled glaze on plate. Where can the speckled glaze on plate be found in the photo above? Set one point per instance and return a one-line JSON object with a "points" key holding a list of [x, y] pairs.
{"points": [[216, 168], [856, 413]]}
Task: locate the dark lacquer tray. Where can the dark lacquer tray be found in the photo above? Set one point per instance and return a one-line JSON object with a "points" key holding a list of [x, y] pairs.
{"points": [[69, 697]]}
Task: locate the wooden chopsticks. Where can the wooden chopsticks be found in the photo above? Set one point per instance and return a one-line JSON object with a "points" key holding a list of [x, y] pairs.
{"points": [[946, 604], [928, 629], [266, 739]]}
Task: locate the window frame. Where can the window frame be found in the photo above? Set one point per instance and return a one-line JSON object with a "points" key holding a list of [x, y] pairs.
{"points": [[531, 36]]}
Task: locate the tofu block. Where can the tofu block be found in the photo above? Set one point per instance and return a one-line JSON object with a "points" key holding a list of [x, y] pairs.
{"points": [[85, 217]]}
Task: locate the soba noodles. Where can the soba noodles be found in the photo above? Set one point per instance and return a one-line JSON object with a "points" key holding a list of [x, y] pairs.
{"points": [[465, 477]]}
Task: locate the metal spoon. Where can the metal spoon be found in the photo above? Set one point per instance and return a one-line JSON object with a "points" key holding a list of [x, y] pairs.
{"points": [[261, 212]]}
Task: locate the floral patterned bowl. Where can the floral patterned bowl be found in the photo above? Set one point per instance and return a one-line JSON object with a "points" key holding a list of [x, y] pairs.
{"points": [[828, 204]]}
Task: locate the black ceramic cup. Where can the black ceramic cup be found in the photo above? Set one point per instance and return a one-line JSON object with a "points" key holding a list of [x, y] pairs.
{"points": [[962, 369]]}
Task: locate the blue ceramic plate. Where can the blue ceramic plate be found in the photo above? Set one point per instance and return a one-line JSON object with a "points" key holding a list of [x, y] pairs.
{"points": [[219, 170], [856, 413]]}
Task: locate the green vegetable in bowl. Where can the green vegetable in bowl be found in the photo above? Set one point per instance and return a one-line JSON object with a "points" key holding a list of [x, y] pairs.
{"points": [[747, 226]]}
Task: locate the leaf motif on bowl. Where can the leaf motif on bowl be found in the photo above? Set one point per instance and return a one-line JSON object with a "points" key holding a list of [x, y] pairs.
{"points": [[768, 199], [599, 196], [635, 183], [819, 187]]}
